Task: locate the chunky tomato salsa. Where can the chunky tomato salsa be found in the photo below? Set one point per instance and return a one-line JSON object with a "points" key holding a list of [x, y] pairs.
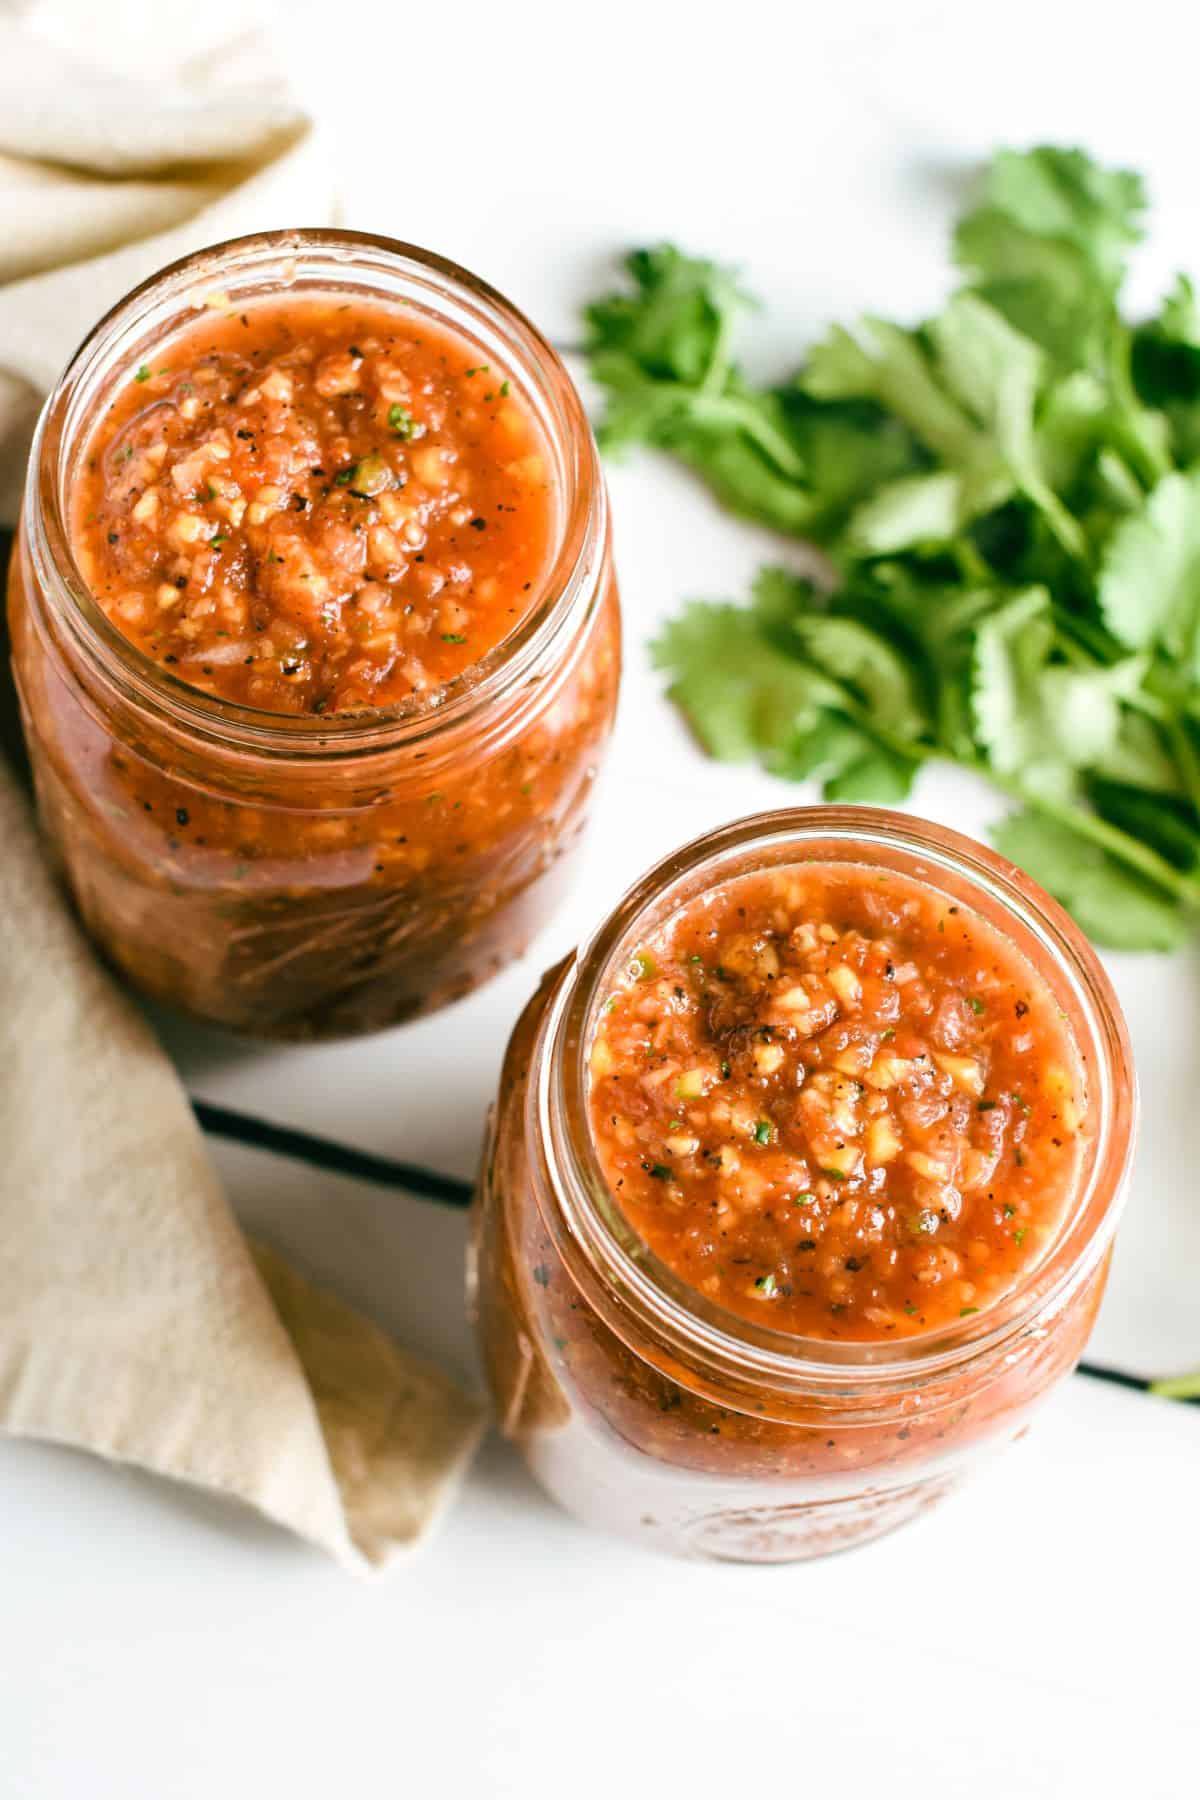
{"points": [[315, 505], [836, 1103]]}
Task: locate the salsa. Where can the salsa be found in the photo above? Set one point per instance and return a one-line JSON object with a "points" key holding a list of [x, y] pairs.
{"points": [[837, 1103], [827, 1079], [315, 505], [364, 541]]}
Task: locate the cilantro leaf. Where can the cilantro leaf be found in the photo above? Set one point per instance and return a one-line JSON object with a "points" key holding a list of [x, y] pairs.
{"points": [[1149, 585], [1063, 193], [743, 697], [746, 697], [1045, 287], [912, 511], [884, 363], [1114, 905], [996, 372], [1037, 715], [1165, 367], [677, 322]]}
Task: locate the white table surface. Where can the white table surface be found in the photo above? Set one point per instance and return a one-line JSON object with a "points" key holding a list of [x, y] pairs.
{"points": [[1035, 1638]]}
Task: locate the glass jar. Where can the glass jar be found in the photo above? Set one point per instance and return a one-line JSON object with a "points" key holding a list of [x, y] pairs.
{"points": [[644, 1407], [337, 874]]}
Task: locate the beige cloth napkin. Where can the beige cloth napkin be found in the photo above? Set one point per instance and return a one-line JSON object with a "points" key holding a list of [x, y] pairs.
{"points": [[134, 1320]]}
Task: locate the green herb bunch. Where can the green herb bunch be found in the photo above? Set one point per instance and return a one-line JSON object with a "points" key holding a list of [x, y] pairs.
{"points": [[1007, 497]]}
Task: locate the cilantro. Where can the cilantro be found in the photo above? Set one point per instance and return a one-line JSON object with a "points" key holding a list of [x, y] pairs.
{"points": [[453, 637], [1006, 499], [976, 1004], [763, 1132], [401, 421], [660, 1172], [143, 373], [766, 1286], [1111, 902]]}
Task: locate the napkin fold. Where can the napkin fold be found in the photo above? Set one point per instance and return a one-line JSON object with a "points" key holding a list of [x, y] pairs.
{"points": [[135, 1321]]}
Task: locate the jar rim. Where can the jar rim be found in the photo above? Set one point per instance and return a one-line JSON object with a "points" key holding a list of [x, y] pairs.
{"points": [[631, 1284], [317, 260]]}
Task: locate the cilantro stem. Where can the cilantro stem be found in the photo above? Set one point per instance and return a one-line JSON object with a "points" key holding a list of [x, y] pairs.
{"points": [[1146, 457], [1065, 528], [1184, 752], [1127, 849], [718, 366], [717, 407], [1178, 1387], [1120, 844]]}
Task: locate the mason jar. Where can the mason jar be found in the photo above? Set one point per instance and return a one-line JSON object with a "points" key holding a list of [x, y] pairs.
{"points": [[644, 1407], [340, 873]]}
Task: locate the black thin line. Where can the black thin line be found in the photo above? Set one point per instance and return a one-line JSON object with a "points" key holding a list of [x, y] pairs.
{"points": [[1121, 1378], [323, 1153], [385, 1171]]}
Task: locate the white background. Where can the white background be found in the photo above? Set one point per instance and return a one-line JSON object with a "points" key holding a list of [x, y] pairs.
{"points": [[1038, 1636]]}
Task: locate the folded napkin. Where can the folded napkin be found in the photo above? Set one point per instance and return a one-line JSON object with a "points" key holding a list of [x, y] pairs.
{"points": [[123, 146], [134, 1319]]}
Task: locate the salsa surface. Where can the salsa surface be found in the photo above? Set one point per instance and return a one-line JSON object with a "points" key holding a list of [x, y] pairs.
{"points": [[315, 505], [836, 1103]]}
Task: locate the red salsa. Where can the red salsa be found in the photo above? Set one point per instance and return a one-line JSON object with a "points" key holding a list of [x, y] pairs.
{"points": [[315, 505], [315, 502], [837, 1103]]}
